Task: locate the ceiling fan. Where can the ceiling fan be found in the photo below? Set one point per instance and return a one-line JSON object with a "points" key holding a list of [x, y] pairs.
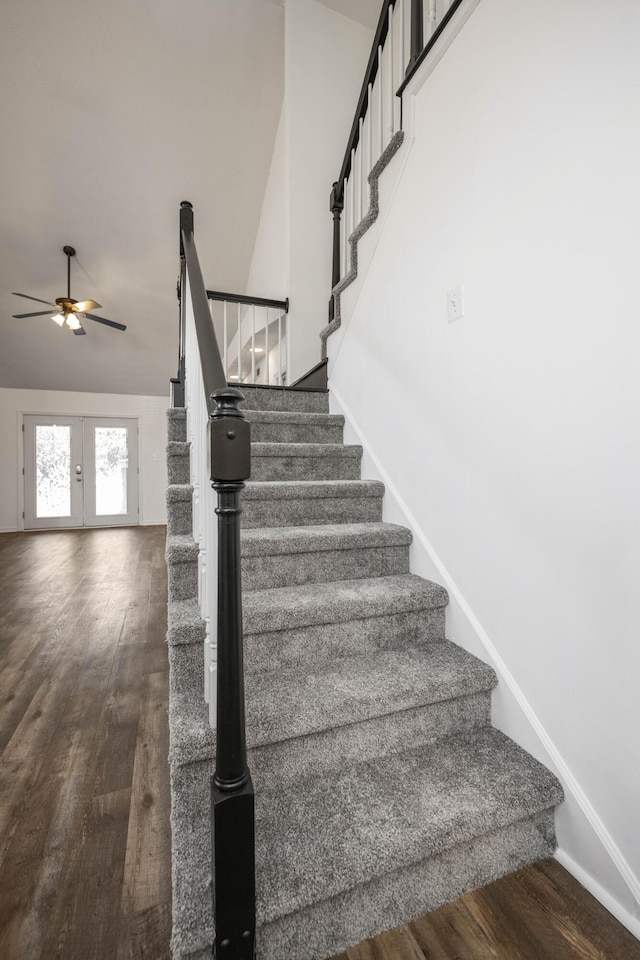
{"points": [[69, 310]]}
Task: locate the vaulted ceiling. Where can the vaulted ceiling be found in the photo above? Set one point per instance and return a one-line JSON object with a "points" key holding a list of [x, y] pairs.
{"points": [[111, 113]]}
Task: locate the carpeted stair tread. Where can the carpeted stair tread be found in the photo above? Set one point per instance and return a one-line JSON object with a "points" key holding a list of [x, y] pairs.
{"points": [[298, 703], [177, 492], [309, 604], [294, 416], [178, 448], [337, 450], [270, 398], [273, 541], [181, 548], [327, 835], [185, 623], [311, 489]]}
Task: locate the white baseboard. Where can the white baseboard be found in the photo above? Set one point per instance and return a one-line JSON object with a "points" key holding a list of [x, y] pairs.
{"points": [[569, 781], [628, 920]]}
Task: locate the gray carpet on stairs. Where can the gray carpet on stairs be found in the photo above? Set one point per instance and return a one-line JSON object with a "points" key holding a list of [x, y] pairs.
{"points": [[382, 790]]}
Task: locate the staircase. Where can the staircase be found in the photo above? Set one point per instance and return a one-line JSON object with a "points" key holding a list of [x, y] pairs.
{"points": [[382, 790]]}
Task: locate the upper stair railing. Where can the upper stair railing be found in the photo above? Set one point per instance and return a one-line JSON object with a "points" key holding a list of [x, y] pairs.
{"points": [[220, 456], [254, 333], [406, 32]]}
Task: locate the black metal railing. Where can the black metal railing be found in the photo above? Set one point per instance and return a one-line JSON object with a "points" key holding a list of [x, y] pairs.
{"points": [[232, 795], [336, 201], [418, 52]]}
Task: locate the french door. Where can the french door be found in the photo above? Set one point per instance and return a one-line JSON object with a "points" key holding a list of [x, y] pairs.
{"points": [[80, 472]]}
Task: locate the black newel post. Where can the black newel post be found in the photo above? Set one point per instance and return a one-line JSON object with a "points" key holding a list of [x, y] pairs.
{"points": [[417, 37], [336, 205], [232, 800]]}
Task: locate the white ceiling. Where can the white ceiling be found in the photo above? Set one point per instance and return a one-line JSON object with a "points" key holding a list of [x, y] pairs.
{"points": [[112, 113]]}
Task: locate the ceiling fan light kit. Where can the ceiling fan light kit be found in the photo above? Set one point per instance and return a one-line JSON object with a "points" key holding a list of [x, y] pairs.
{"points": [[69, 310]]}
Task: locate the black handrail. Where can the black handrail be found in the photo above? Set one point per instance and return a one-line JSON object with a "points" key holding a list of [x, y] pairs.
{"points": [[363, 101], [213, 375], [416, 62], [241, 298], [232, 795]]}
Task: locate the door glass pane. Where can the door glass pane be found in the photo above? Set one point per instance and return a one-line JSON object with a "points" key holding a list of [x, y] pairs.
{"points": [[112, 462], [53, 470]]}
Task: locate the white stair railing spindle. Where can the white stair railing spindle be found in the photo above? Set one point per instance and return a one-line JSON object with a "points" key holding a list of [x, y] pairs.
{"points": [[353, 190], [360, 176], [225, 348], [279, 347], [253, 343], [380, 98], [402, 48], [370, 125], [266, 347], [239, 345], [390, 77], [433, 17], [288, 336]]}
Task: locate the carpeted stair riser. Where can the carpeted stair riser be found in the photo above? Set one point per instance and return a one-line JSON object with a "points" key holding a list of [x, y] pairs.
{"points": [[182, 567], [261, 573], [186, 626], [286, 556], [327, 642], [178, 463], [291, 401], [177, 424], [298, 718], [297, 504], [273, 427], [179, 509], [304, 461], [458, 861], [392, 898]]}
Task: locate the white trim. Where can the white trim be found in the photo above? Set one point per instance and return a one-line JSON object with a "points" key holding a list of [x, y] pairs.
{"points": [[628, 920], [440, 47], [569, 781]]}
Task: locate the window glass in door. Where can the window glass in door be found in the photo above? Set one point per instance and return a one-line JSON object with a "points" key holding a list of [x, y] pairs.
{"points": [[80, 471]]}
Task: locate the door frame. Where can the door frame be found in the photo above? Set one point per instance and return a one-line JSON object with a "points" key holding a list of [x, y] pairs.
{"points": [[53, 417]]}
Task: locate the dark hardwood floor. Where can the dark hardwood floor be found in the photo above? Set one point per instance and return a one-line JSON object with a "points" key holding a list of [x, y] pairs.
{"points": [[85, 869], [85, 866]]}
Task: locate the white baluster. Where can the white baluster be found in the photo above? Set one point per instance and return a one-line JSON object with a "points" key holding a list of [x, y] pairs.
{"points": [[370, 138], [224, 340], [266, 346], [288, 335], [402, 54], [360, 177], [391, 91], [380, 117], [239, 346], [253, 343], [354, 189], [433, 17], [280, 346]]}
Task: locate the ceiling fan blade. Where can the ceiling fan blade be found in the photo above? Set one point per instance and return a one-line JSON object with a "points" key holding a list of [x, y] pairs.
{"points": [[80, 332], [109, 323], [37, 299], [41, 313], [83, 305]]}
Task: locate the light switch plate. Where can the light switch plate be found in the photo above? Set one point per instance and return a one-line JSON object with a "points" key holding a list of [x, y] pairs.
{"points": [[455, 303]]}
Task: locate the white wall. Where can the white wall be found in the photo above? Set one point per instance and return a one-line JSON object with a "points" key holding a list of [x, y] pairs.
{"points": [[152, 440], [510, 437], [325, 59]]}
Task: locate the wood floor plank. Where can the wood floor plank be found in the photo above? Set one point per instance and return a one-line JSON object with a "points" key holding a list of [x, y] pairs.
{"points": [[146, 882], [73, 687]]}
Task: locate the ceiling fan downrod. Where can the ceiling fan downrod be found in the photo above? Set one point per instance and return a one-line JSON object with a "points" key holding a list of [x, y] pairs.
{"points": [[70, 252]]}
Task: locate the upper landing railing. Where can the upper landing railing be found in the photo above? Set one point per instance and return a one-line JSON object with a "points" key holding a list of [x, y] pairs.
{"points": [[406, 32]]}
